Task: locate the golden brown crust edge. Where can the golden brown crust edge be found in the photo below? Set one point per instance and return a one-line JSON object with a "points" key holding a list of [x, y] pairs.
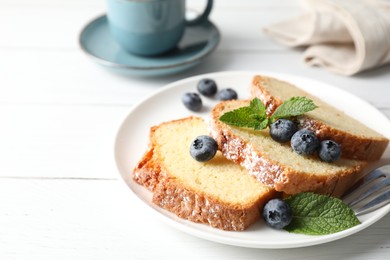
{"points": [[353, 146], [202, 209], [147, 172], [272, 173], [169, 194]]}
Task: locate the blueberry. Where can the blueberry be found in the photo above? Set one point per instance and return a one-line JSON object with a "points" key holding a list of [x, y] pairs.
{"points": [[207, 87], [227, 94], [192, 101], [203, 148], [282, 130], [329, 151], [304, 142], [277, 213]]}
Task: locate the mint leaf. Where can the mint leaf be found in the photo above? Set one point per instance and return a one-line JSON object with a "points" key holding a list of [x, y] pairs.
{"points": [[252, 116], [243, 117], [258, 107], [263, 124], [315, 214], [294, 106]]}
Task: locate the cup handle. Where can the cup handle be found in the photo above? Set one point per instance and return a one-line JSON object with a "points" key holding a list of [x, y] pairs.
{"points": [[204, 16]]}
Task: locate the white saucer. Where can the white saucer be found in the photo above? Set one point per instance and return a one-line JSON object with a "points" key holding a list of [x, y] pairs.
{"points": [[198, 42]]}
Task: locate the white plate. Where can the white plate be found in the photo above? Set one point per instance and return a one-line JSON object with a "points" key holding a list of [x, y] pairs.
{"points": [[165, 104]]}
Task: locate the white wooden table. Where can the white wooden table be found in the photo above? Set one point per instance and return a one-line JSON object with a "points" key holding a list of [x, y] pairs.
{"points": [[61, 196]]}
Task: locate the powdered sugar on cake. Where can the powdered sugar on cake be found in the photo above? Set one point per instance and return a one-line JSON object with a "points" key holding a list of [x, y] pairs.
{"points": [[245, 154]]}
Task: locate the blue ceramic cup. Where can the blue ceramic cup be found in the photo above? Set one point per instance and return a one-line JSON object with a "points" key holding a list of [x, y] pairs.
{"points": [[150, 27]]}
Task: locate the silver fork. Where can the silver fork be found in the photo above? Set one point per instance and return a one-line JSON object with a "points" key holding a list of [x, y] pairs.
{"points": [[372, 193]]}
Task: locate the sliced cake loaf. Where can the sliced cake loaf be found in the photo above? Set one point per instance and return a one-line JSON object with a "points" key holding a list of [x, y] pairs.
{"points": [[276, 164], [357, 140], [218, 192]]}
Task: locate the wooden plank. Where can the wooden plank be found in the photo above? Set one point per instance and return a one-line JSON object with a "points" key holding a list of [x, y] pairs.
{"points": [[101, 219], [59, 141], [93, 84]]}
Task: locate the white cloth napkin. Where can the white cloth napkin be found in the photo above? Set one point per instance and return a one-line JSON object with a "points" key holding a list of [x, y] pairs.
{"points": [[344, 36]]}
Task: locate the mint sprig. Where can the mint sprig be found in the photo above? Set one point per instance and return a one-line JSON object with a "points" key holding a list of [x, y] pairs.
{"points": [[294, 106], [315, 214], [255, 116]]}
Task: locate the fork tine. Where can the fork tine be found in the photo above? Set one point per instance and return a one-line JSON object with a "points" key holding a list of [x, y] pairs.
{"points": [[376, 203], [372, 193], [379, 172], [371, 190], [364, 184]]}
